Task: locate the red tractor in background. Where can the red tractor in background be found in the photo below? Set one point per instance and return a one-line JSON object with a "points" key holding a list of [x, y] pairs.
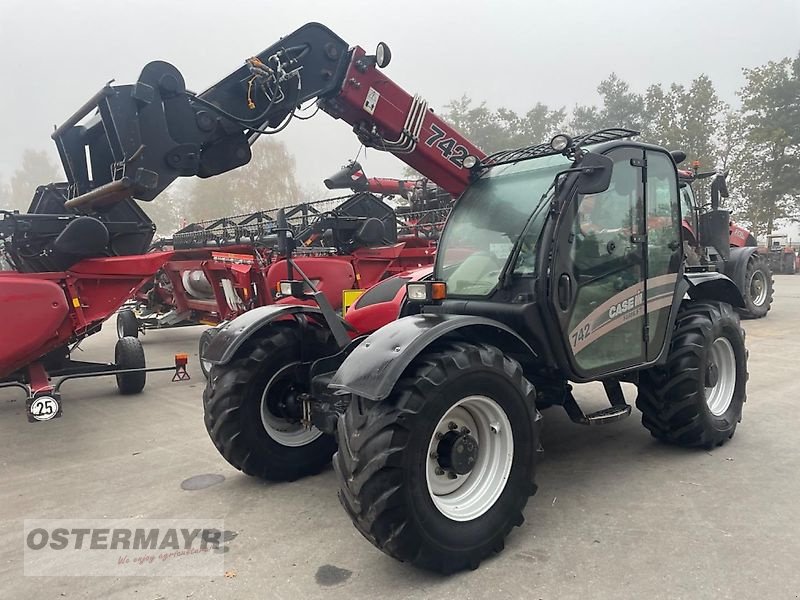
{"points": [[712, 239], [781, 256]]}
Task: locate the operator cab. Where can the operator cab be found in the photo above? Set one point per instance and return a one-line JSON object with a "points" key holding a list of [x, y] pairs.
{"points": [[570, 245]]}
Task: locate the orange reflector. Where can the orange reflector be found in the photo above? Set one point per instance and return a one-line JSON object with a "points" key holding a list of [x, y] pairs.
{"points": [[76, 303], [181, 360], [438, 290]]}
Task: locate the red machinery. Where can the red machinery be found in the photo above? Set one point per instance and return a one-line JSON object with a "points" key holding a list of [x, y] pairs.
{"points": [[712, 239], [129, 142]]}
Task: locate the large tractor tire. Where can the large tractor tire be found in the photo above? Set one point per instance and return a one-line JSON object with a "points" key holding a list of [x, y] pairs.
{"points": [[205, 339], [438, 473], [696, 399], [247, 404], [757, 289], [129, 354], [127, 324]]}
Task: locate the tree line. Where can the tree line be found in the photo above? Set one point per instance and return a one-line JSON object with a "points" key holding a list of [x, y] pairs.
{"points": [[758, 143]]}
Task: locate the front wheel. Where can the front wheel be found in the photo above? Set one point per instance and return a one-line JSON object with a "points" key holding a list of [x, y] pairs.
{"points": [[252, 406], [438, 474], [696, 399]]}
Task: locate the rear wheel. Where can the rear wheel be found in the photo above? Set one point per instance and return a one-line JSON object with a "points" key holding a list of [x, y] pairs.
{"points": [[696, 399], [127, 324], [252, 406], [439, 472], [205, 339], [757, 290], [129, 354]]}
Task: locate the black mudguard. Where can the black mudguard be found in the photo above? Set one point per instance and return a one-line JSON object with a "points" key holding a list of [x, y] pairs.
{"points": [[713, 286], [736, 266], [234, 333], [372, 369]]}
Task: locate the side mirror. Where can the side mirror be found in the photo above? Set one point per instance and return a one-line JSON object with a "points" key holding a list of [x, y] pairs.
{"points": [[595, 176], [678, 156]]}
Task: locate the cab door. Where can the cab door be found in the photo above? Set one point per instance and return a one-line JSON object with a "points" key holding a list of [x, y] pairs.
{"points": [[597, 278]]}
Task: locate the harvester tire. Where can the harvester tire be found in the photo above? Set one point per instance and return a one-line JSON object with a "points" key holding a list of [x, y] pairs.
{"points": [[757, 291], [696, 398], [394, 462], [129, 354], [127, 324], [242, 400]]}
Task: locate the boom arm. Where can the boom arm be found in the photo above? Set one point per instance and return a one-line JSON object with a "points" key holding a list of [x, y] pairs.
{"points": [[147, 134]]}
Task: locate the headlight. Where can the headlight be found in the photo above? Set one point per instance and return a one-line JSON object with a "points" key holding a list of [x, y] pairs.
{"points": [[292, 288], [417, 292], [426, 291]]}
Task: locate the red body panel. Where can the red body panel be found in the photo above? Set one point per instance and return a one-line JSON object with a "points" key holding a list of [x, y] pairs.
{"points": [[374, 316], [48, 310], [389, 116]]}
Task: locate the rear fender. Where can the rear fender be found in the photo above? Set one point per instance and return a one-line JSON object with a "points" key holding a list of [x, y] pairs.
{"points": [[233, 334], [736, 266], [373, 368], [712, 286]]}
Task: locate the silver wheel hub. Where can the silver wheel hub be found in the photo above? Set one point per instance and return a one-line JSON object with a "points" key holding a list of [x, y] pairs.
{"points": [[285, 431], [469, 460], [758, 288], [720, 376]]}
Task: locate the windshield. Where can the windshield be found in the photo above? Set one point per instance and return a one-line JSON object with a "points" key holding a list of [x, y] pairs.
{"points": [[487, 221]]}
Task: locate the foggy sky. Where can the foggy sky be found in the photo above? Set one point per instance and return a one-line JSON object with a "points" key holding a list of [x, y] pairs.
{"points": [[54, 54]]}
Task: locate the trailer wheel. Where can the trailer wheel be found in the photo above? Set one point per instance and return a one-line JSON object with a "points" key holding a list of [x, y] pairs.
{"points": [[127, 324], [757, 290], [205, 339], [129, 354], [696, 399], [247, 400], [438, 473]]}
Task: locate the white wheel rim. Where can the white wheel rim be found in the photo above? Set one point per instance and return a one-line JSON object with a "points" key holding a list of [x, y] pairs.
{"points": [[468, 496], [287, 433], [758, 288], [723, 359]]}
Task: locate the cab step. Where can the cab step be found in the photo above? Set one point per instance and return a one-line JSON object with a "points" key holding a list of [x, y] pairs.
{"points": [[618, 410]]}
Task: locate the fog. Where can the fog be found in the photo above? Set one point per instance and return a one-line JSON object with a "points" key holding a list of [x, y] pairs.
{"points": [[55, 54]]}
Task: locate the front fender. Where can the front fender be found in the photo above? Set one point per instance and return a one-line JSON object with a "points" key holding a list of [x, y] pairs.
{"points": [[234, 333], [373, 368]]}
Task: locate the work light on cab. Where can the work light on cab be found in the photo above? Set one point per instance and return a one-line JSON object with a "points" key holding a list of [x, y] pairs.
{"points": [[426, 291], [560, 142]]}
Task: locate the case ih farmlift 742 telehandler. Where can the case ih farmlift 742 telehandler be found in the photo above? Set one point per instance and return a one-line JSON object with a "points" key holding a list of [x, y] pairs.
{"points": [[560, 262]]}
